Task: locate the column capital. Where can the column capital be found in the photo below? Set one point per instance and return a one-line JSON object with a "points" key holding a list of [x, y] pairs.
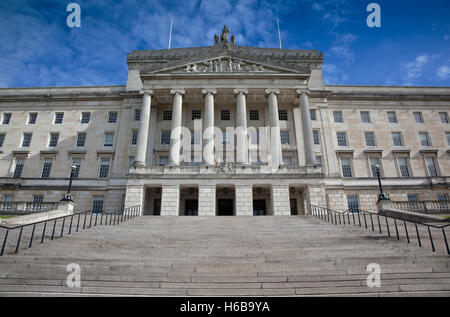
{"points": [[146, 91], [303, 91], [270, 91], [238, 91], [211, 91], [175, 91]]}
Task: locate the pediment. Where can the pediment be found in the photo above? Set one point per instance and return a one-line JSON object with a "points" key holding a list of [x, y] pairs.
{"points": [[225, 64]]}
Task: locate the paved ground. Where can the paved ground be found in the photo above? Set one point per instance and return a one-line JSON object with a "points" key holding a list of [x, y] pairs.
{"points": [[224, 256]]}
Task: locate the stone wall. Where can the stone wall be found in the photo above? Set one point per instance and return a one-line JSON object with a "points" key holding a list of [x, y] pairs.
{"points": [[207, 200]]}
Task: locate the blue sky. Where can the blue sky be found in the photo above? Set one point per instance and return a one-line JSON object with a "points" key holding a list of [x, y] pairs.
{"points": [[412, 47]]}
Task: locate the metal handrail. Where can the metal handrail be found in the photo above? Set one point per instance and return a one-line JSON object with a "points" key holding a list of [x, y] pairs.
{"points": [[339, 218], [91, 218]]}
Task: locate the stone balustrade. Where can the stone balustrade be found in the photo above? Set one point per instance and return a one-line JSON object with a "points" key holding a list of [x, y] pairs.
{"points": [[23, 207]]}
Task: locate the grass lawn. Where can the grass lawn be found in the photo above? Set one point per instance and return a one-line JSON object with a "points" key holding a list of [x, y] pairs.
{"points": [[5, 216]]}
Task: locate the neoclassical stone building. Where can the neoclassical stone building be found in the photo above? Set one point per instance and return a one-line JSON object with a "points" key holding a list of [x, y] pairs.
{"points": [[322, 143]]}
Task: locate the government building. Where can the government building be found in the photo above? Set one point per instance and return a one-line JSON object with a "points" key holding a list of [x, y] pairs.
{"points": [[224, 130]]}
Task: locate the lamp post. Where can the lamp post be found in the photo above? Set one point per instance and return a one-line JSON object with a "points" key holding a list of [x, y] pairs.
{"points": [[382, 196], [68, 196]]}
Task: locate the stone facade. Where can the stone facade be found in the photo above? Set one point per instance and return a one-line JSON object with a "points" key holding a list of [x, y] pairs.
{"points": [[330, 136]]}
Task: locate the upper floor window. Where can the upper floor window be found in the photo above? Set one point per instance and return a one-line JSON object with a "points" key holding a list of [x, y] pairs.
{"points": [[196, 114], [112, 117], [137, 114], [81, 139], [47, 168], [341, 138], [18, 168], [76, 161], [109, 139], [312, 114], [163, 160], [284, 137], [403, 166], [225, 115], [431, 164], [134, 137], [319, 160], [316, 137], [53, 142], [397, 139], [447, 135], [165, 137], [418, 117], [365, 116], [32, 117], [287, 160], [370, 138], [254, 115], [282, 115], [2, 139], [104, 168], [167, 115], [26, 140], [338, 116], [59, 116], [392, 117], [85, 117], [346, 165], [374, 162], [424, 139], [444, 117], [6, 118]]}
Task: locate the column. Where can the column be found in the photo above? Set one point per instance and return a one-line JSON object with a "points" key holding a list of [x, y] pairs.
{"points": [[121, 157], [328, 144], [275, 140], [241, 127], [141, 148], [170, 200], [307, 127], [206, 200], [208, 151], [244, 200], [175, 134], [280, 200]]}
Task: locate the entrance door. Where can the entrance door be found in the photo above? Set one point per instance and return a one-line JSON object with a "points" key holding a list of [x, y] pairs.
{"points": [[191, 208], [225, 207], [157, 207], [294, 211], [259, 207]]}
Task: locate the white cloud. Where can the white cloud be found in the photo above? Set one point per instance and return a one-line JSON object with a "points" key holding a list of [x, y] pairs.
{"points": [[443, 72], [333, 75], [413, 70]]}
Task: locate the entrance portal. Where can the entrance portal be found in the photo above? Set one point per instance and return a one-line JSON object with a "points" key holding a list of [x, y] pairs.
{"points": [[225, 207], [259, 207], [191, 208]]}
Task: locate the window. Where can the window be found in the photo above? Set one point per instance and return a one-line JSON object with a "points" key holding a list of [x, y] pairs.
{"points": [[287, 160], [97, 204], [6, 118], [134, 136], [254, 115], [130, 161], [163, 160], [282, 115], [365, 116], [76, 161], [341, 138], [418, 117], [53, 140], [196, 114], [346, 167], [137, 114], [165, 137], [85, 117], [47, 168], [353, 204], [8, 198], [374, 161], [26, 140], [424, 139], [447, 135], [397, 138], [59, 116], [338, 116], [413, 197], [284, 137], [224, 115], [38, 198], [443, 199], [109, 139], [81, 139], [319, 160], [104, 168], [312, 114], [2, 139], [444, 117], [392, 117], [167, 115], [403, 166], [32, 117], [18, 168], [316, 137], [431, 166], [112, 118], [370, 138]]}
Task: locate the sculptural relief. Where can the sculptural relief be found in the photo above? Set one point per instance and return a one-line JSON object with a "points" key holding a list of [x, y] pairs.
{"points": [[221, 65]]}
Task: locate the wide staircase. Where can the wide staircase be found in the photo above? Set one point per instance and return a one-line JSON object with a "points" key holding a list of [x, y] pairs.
{"points": [[224, 256]]}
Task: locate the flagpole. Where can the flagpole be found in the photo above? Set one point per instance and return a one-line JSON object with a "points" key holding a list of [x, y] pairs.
{"points": [[170, 33], [279, 34]]}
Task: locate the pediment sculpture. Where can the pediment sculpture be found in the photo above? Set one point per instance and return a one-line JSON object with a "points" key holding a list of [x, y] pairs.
{"points": [[221, 65]]}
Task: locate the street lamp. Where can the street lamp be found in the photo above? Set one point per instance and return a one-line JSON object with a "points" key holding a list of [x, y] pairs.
{"points": [[382, 196], [68, 196]]}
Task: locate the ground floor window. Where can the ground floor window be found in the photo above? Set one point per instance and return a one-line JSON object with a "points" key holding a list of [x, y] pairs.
{"points": [[97, 203], [353, 204]]}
